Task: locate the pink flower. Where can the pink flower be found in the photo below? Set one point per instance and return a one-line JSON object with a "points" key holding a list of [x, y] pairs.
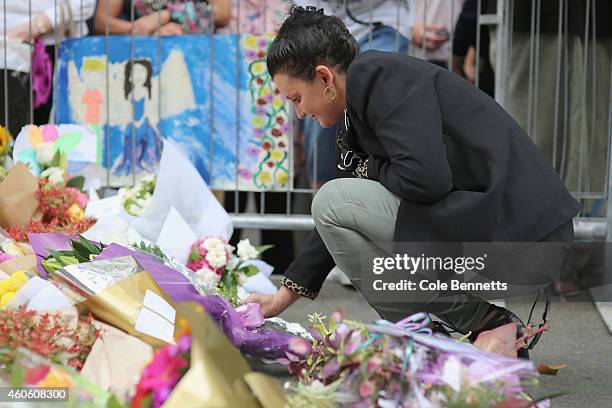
{"points": [[374, 363], [299, 346], [367, 388], [5, 257], [81, 199], [245, 174], [251, 315]]}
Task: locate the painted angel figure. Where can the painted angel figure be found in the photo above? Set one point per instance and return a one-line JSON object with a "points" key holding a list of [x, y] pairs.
{"points": [[141, 142], [141, 95]]}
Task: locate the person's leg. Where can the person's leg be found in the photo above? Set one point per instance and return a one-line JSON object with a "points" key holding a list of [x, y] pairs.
{"points": [[18, 101], [352, 216], [384, 38]]}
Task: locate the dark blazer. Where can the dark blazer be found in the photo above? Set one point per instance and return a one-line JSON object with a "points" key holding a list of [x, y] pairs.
{"points": [[464, 169]]}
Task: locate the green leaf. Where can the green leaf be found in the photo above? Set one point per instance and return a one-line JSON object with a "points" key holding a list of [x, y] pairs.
{"points": [[250, 270], [194, 255], [77, 182], [57, 255], [55, 162], [17, 375], [263, 248]]}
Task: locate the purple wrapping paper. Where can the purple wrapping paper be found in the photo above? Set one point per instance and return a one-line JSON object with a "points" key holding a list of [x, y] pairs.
{"points": [[48, 240], [176, 286], [264, 343]]}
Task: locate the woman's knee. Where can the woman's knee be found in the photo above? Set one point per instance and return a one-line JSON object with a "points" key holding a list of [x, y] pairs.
{"points": [[324, 200]]}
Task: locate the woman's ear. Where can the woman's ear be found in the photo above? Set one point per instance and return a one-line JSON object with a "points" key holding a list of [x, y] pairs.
{"points": [[326, 74]]}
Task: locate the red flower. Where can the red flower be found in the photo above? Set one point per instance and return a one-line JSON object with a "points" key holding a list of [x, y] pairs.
{"points": [[259, 81], [261, 101], [280, 120], [261, 54], [266, 145], [276, 133], [270, 164]]}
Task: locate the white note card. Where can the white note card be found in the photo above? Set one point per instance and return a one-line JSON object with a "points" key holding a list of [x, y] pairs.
{"points": [[156, 317]]}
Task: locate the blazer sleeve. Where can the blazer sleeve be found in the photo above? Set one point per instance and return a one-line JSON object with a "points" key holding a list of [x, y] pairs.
{"points": [[402, 109], [308, 271]]}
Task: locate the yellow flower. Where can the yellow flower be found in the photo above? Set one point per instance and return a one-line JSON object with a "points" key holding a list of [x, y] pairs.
{"points": [[276, 155], [250, 41], [277, 103], [282, 177], [258, 68], [55, 379], [5, 139], [13, 283], [4, 299], [258, 122], [75, 213], [265, 177]]}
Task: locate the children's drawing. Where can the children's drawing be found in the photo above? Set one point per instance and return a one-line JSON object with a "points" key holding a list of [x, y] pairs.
{"points": [[212, 95]]}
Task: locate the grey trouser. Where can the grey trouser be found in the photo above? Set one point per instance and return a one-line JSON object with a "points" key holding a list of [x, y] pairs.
{"points": [[354, 217]]}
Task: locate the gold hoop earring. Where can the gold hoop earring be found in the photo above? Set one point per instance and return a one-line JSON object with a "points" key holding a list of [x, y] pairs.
{"points": [[327, 89]]}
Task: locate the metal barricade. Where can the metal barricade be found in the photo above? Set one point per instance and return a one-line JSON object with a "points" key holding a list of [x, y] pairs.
{"points": [[579, 87]]}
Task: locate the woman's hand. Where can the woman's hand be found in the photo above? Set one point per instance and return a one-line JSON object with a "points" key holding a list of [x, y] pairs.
{"points": [[171, 28], [273, 305], [434, 35], [147, 25], [40, 26]]}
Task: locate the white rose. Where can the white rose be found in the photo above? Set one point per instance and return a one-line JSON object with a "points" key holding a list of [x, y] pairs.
{"points": [[217, 259], [246, 250], [213, 244], [55, 175], [207, 278], [45, 153]]}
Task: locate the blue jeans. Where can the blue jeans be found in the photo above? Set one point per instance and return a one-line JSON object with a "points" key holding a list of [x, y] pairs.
{"points": [[383, 38]]}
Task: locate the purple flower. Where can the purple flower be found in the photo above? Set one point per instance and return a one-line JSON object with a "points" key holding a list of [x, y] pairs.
{"points": [[339, 335], [315, 333], [262, 42], [251, 54], [259, 133], [184, 343], [330, 369], [245, 173], [253, 151]]}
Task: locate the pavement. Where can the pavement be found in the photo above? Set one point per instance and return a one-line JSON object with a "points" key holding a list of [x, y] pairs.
{"points": [[577, 338]]}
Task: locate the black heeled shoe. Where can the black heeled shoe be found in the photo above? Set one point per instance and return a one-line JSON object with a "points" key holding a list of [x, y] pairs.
{"points": [[524, 332]]}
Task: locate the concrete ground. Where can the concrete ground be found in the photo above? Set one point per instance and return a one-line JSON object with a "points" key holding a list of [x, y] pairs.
{"points": [[578, 338]]}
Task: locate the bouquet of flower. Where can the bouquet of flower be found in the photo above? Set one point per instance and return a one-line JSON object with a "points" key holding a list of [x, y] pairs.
{"points": [[62, 210], [351, 364], [33, 370], [81, 251], [216, 266], [160, 376], [135, 199], [46, 334]]}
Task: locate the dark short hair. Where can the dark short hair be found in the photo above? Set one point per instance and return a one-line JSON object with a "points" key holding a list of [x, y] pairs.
{"points": [[127, 79], [309, 38]]}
